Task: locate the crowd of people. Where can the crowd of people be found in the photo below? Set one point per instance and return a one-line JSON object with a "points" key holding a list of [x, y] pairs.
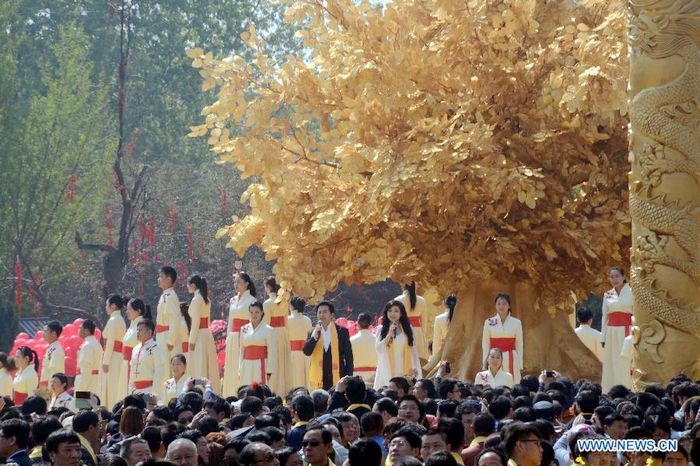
{"points": [[294, 393]]}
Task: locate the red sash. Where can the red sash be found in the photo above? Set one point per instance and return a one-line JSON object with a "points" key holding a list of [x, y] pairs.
{"points": [[415, 321], [141, 384], [237, 324], [162, 328], [93, 372], [185, 347], [19, 398], [297, 345], [364, 369], [127, 352], [117, 346], [277, 321], [257, 352], [203, 323], [620, 319], [506, 345]]}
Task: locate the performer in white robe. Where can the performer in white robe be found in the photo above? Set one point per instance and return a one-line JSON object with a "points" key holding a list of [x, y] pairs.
{"points": [[298, 328], [149, 363], [136, 311], [589, 336], [494, 375], [26, 380], [258, 349], [417, 315], [397, 354], [439, 332], [176, 385], [202, 359], [54, 361], [238, 316], [169, 332], [89, 361], [505, 332], [364, 350], [617, 322], [114, 388], [276, 317]]}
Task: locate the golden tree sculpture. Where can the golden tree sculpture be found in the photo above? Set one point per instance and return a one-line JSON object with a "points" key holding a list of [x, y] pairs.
{"points": [[473, 146]]}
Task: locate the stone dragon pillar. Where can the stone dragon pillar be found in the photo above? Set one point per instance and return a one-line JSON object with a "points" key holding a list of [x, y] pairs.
{"points": [[664, 48]]}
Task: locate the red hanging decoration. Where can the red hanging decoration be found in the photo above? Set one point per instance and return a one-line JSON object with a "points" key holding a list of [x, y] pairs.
{"points": [[117, 184], [172, 217], [18, 288], [181, 269], [110, 225], [152, 231], [70, 190], [190, 242], [131, 145], [224, 202]]}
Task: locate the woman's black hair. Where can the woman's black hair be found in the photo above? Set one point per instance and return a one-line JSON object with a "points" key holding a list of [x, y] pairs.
{"points": [[450, 302], [259, 305], [411, 288], [7, 362], [486, 362], [403, 321], [201, 284], [185, 312], [61, 378], [27, 352], [117, 300], [505, 297], [272, 283], [249, 281], [143, 308], [181, 357], [298, 304], [622, 272]]}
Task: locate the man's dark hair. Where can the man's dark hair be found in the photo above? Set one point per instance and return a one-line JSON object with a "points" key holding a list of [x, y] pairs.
{"points": [[447, 386], [330, 305], [500, 407], [364, 320], [372, 423], [84, 420], [387, 405], [170, 272], [467, 407], [530, 382], [258, 436], [274, 433], [524, 414], [207, 425], [584, 315], [170, 432], [303, 405], [34, 404], [164, 413], [409, 397], [89, 325], [153, 437], [429, 387], [484, 425], [447, 408], [365, 453], [356, 390], [148, 323], [453, 430], [518, 431], [402, 384], [42, 428], [441, 458], [220, 406], [56, 327], [326, 435], [587, 400], [17, 428], [134, 400], [267, 420], [56, 438], [320, 398], [252, 405], [497, 451], [410, 434]]}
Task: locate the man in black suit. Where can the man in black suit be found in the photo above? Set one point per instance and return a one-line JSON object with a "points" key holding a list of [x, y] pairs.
{"points": [[327, 373], [14, 439]]}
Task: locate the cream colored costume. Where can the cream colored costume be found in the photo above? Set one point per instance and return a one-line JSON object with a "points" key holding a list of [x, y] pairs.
{"points": [[89, 366], [364, 355], [276, 317], [114, 388], [508, 337], [238, 316], [416, 317], [298, 328], [202, 361]]}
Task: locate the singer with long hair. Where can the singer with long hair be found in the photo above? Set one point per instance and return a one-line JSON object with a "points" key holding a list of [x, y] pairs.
{"points": [[396, 349], [202, 358]]}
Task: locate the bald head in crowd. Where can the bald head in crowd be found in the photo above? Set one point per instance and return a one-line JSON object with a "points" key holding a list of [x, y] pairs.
{"points": [[182, 452]]}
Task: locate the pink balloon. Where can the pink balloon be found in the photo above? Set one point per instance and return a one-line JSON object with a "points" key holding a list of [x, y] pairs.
{"points": [[78, 322], [22, 336], [71, 366], [75, 341], [70, 329], [39, 335]]}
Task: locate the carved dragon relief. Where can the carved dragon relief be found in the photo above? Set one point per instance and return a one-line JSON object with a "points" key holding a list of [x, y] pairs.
{"points": [[665, 189]]}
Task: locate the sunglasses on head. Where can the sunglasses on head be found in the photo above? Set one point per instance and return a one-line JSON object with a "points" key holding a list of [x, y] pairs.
{"points": [[310, 443]]}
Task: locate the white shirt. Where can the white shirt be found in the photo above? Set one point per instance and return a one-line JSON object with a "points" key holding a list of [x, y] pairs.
{"points": [[64, 400], [326, 336], [590, 337], [500, 379]]}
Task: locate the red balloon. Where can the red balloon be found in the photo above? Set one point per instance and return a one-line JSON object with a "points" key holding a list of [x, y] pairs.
{"points": [[75, 341], [39, 335], [78, 322], [22, 336], [70, 329], [71, 366]]}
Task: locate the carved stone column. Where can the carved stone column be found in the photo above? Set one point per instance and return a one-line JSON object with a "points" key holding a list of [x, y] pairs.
{"points": [[664, 41]]}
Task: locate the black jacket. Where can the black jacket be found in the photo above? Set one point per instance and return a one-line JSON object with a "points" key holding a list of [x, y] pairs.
{"points": [[344, 353]]}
